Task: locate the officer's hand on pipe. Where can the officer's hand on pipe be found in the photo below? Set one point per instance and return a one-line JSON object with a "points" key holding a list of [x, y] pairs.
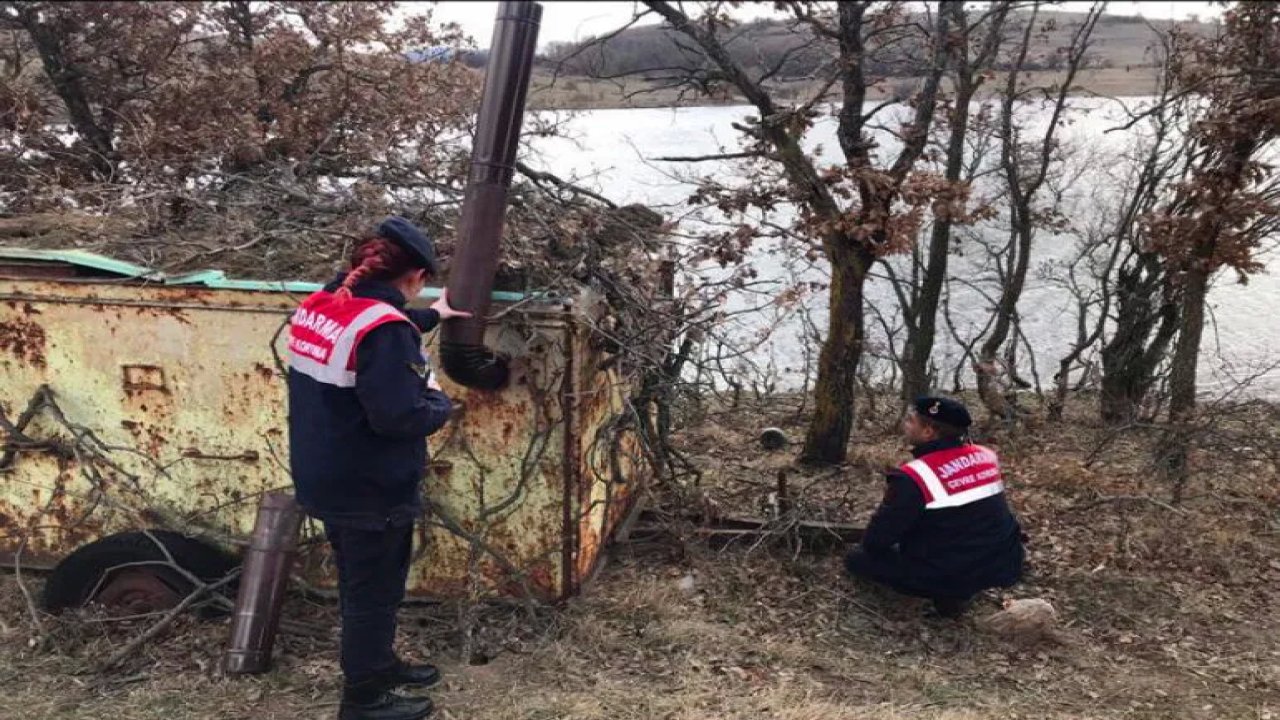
{"points": [[442, 306]]}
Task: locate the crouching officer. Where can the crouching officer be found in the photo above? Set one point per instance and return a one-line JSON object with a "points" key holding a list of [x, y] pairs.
{"points": [[944, 530], [362, 401]]}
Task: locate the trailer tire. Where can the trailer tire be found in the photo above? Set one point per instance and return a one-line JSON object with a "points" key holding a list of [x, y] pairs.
{"points": [[95, 572]]}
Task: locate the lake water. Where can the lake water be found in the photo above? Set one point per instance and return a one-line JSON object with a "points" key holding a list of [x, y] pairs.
{"points": [[613, 151]]}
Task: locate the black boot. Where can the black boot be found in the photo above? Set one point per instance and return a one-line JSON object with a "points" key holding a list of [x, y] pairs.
{"points": [[403, 674], [372, 701], [950, 608]]}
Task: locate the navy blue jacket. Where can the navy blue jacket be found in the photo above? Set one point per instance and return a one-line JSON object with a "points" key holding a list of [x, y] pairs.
{"points": [[358, 455], [950, 551]]}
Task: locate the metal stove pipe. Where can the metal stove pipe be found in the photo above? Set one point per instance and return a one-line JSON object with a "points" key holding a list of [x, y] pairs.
{"points": [[463, 354]]}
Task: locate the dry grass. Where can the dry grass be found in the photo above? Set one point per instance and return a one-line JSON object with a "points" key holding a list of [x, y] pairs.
{"points": [[1166, 614]]}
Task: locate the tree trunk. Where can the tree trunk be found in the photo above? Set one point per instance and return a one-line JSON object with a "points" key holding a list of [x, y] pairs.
{"points": [[988, 356], [1129, 363], [98, 145], [1172, 453], [1129, 370], [915, 369], [828, 436], [1024, 181], [987, 368], [1062, 386], [923, 315], [1062, 378]]}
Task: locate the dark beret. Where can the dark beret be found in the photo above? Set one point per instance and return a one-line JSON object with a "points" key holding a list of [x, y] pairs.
{"points": [[943, 410], [412, 240]]}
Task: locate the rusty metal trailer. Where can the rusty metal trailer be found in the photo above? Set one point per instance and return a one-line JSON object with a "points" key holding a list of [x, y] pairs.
{"points": [[132, 399]]}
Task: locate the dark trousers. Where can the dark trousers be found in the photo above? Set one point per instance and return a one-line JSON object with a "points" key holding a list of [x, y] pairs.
{"points": [[902, 575], [373, 566]]}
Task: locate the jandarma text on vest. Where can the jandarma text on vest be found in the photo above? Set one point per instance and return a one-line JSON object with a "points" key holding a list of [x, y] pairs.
{"points": [[318, 323], [978, 457], [303, 347], [973, 479]]}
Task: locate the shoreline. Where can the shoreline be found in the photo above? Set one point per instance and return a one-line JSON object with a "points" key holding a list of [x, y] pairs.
{"points": [[581, 93]]}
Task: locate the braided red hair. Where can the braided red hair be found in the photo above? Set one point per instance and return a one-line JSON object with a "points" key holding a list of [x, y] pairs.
{"points": [[374, 259]]}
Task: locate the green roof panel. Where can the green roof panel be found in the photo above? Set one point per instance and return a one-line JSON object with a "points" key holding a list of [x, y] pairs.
{"points": [[213, 279]]}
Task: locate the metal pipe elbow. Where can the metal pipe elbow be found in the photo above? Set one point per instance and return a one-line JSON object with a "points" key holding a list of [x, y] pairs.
{"points": [[474, 366]]}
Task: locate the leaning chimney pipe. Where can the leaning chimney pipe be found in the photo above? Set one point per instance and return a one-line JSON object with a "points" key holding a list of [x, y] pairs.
{"points": [[263, 581], [463, 354]]}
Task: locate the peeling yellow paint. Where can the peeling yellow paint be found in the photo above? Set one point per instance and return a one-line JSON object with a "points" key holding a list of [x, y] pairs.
{"points": [[182, 385]]}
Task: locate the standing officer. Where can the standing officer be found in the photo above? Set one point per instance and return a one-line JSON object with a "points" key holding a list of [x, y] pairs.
{"points": [[944, 530], [362, 401]]}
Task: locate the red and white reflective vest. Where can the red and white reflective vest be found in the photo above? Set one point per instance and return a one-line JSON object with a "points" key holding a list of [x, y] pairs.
{"points": [[957, 476], [324, 333]]}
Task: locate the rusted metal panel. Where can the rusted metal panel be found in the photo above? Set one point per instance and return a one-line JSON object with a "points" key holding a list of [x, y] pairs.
{"points": [[607, 450], [181, 390], [163, 379]]}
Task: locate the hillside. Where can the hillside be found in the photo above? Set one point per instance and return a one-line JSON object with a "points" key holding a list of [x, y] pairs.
{"points": [[633, 68]]}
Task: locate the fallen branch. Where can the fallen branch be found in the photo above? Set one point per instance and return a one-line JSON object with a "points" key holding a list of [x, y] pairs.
{"points": [[1129, 499], [26, 592], [41, 633], [814, 536], [17, 438], [845, 597], [119, 682], [123, 653], [297, 627]]}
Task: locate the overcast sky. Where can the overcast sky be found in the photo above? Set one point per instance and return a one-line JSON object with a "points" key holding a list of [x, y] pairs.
{"points": [[579, 20]]}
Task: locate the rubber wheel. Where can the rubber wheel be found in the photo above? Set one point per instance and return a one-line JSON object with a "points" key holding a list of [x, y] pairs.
{"points": [[94, 572]]}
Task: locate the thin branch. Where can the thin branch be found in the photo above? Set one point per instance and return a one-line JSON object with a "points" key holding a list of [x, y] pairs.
{"points": [[542, 176], [710, 158]]}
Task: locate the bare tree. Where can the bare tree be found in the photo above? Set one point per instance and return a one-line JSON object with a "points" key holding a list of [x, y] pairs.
{"points": [[853, 212], [1146, 313], [237, 124], [1086, 277], [973, 48], [1230, 204], [1026, 167]]}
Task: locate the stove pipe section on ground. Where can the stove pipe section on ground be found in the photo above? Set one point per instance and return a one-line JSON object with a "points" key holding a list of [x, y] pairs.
{"points": [[264, 580]]}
